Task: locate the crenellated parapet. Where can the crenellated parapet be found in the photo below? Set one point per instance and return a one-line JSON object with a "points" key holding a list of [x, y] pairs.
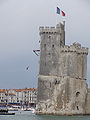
{"points": [[52, 30], [75, 48]]}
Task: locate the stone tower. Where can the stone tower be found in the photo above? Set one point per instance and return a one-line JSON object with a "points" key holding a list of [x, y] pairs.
{"points": [[62, 86]]}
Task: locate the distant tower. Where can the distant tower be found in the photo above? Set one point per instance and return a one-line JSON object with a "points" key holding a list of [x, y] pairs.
{"points": [[62, 86]]}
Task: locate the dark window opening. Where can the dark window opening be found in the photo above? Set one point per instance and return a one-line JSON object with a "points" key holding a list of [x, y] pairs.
{"points": [[48, 53], [77, 94], [77, 108], [44, 45], [49, 36], [50, 84], [52, 46], [55, 82]]}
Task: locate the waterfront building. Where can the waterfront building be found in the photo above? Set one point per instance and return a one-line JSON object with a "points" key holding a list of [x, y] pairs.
{"points": [[22, 97], [2, 95], [27, 96]]}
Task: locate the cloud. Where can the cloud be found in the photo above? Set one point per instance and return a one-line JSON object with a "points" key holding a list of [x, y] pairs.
{"points": [[3, 1], [19, 34]]}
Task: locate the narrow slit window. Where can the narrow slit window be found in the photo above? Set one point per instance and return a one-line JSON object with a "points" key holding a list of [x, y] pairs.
{"points": [[50, 84], [52, 46], [77, 108], [44, 46]]}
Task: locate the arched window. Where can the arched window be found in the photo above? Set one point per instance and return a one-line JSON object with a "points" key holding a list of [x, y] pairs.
{"points": [[77, 94]]}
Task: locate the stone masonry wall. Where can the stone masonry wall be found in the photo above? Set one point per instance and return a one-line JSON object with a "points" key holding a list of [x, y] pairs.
{"points": [[62, 86], [61, 95], [87, 107]]}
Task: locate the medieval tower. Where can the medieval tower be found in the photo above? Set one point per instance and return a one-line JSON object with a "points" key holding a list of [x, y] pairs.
{"points": [[62, 85]]}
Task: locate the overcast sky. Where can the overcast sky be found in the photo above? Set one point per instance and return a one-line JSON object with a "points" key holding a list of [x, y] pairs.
{"points": [[19, 35]]}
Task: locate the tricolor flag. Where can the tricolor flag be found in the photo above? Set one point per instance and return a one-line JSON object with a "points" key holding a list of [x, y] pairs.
{"points": [[60, 12]]}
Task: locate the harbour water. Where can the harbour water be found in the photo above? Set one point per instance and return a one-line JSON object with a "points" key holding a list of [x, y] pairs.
{"points": [[27, 115]]}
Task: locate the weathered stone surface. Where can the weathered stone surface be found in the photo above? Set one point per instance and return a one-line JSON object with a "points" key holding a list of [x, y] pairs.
{"points": [[87, 106], [62, 87], [64, 95]]}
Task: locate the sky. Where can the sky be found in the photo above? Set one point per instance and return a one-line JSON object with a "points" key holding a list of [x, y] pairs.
{"points": [[19, 35]]}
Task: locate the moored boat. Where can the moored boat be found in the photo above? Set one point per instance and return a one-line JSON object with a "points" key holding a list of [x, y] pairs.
{"points": [[5, 112]]}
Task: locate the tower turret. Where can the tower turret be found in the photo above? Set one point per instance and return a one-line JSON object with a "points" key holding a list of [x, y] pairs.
{"points": [[51, 40]]}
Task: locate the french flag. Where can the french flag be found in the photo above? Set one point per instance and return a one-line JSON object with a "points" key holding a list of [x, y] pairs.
{"points": [[60, 11]]}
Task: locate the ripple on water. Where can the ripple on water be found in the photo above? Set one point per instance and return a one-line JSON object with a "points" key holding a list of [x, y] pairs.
{"points": [[27, 115]]}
